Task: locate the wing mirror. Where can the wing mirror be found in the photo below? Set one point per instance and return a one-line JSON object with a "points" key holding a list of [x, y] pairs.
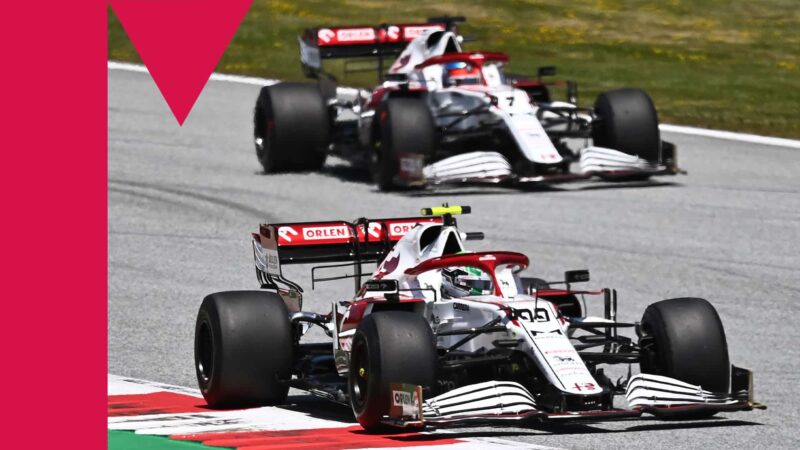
{"points": [[576, 276], [545, 71]]}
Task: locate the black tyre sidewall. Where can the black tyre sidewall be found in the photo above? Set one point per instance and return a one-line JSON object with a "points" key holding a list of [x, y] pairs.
{"points": [[628, 123], [260, 115], [400, 348], [299, 134], [690, 343], [405, 125], [252, 349]]}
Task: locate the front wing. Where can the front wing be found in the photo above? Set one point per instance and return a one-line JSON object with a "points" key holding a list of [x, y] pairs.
{"points": [[509, 403], [487, 167]]}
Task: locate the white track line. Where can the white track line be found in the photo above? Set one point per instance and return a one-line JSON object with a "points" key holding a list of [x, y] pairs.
{"points": [[731, 136], [115, 65], [717, 134]]}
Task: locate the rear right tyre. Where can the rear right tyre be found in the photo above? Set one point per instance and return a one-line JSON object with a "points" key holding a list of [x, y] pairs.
{"points": [[627, 122]]}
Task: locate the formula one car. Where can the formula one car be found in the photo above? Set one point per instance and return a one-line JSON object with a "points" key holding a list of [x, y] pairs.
{"points": [[440, 336], [443, 115]]}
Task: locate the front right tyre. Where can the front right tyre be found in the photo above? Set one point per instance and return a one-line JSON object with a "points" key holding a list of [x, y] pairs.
{"points": [[683, 338], [627, 122]]}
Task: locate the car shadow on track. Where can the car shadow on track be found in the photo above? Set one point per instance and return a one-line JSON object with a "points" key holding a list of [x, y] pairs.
{"points": [[321, 409], [355, 174], [552, 188], [637, 426]]}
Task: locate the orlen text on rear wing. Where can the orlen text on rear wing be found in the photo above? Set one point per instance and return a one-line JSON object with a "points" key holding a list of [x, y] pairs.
{"points": [[356, 243], [317, 44]]}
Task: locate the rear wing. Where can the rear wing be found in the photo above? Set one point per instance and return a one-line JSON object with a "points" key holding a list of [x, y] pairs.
{"points": [[356, 243], [318, 44]]}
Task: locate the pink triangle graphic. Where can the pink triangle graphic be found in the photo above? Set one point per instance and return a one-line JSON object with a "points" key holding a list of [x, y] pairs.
{"points": [[180, 42]]}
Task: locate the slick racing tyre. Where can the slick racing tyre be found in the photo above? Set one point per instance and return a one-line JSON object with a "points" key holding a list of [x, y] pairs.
{"points": [[683, 338], [242, 348], [291, 127], [404, 127], [627, 122], [388, 347]]}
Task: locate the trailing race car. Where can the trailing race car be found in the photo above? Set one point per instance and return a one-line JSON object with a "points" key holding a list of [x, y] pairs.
{"points": [[441, 336], [443, 115]]}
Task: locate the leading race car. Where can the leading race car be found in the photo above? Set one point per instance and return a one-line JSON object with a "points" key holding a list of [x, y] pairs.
{"points": [[441, 336], [443, 115]]}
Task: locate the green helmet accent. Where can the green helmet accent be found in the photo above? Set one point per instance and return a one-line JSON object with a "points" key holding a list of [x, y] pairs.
{"points": [[463, 281]]}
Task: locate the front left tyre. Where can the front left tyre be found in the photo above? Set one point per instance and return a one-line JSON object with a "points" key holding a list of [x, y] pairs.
{"points": [[243, 349], [388, 347], [404, 129]]}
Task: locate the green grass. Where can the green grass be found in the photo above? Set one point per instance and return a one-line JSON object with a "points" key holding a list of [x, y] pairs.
{"points": [[128, 440], [731, 65]]}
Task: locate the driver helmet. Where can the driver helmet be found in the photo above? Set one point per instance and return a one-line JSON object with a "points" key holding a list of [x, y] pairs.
{"points": [[460, 282], [461, 73]]}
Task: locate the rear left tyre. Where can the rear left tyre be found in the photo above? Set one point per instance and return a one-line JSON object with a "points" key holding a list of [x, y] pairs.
{"points": [[242, 349], [291, 127]]}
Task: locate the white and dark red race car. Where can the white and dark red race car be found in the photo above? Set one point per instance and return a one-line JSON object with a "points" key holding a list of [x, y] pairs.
{"points": [[443, 115], [440, 336]]}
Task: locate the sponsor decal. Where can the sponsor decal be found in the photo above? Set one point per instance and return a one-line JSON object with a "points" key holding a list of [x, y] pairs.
{"points": [[393, 32], [584, 386], [330, 232], [565, 362], [560, 350], [341, 232], [487, 258], [286, 233], [355, 34], [406, 401], [273, 263], [402, 398], [325, 35], [374, 229], [460, 307], [399, 229], [411, 166], [415, 31]]}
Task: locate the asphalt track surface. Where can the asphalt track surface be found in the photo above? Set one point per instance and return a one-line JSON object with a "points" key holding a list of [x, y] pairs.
{"points": [[182, 202]]}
